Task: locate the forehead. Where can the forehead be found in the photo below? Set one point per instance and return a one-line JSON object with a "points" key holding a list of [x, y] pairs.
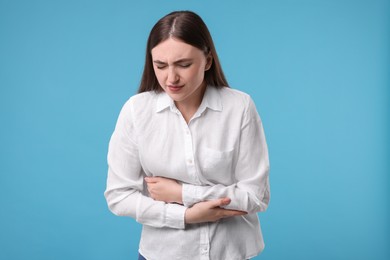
{"points": [[172, 49]]}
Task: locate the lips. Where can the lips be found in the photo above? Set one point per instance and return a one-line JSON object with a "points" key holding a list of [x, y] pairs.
{"points": [[174, 88]]}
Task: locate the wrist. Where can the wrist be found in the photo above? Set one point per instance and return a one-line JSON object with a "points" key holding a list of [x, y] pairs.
{"points": [[188, 216], [179, 194]]}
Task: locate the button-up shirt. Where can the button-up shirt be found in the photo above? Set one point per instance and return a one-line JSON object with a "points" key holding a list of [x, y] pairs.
{"points": [[220, 152]]}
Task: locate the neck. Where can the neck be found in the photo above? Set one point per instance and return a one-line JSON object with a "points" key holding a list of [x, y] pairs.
{"points": [[189, 106]]}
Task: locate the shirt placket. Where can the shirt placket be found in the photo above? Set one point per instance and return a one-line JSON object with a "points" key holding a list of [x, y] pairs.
{"points": [[204, 240], [189, 150]]}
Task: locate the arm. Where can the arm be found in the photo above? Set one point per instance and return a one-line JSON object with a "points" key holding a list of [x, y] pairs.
{"points": [[251, 192], [125, 185], [170, 191], [210, 211]]}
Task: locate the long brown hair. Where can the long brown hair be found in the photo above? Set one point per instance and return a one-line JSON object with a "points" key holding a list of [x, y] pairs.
{"points": [[188, 27]]}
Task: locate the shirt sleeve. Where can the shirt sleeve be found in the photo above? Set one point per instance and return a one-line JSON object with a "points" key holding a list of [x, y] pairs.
{"points": [[251, 192], [125, 181]]}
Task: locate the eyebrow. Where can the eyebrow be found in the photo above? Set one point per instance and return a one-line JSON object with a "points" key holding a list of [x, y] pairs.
{"points": [[176, 62]]}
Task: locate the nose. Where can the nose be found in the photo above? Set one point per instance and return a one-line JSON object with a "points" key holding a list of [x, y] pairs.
{"points": [[173, 77]]}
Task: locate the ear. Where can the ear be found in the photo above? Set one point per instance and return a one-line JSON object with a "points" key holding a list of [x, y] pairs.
{"points": [[209, 62]]}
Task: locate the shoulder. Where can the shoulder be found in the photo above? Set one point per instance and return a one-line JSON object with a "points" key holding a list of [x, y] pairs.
{"points": [[143, 97], [139, 106], [235, 98], [145, 101], [238, 104]]}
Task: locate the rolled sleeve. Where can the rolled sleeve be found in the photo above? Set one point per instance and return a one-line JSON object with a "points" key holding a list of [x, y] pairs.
{"points": [[125, 180], [189, 195], [251, 192]]}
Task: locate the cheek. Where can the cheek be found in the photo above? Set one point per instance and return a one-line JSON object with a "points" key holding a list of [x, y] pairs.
{"points": [[159, 76], [200, 76], [197, 75]]}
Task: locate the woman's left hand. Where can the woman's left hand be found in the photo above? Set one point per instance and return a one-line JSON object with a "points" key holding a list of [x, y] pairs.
{"points": [[164, 189]]}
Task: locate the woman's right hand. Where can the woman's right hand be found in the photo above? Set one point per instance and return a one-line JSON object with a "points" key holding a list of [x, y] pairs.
{"points": [[210, 211]]}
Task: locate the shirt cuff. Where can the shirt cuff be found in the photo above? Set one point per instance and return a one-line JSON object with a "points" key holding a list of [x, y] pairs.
{"points": [[189, 195], [175, 216]]}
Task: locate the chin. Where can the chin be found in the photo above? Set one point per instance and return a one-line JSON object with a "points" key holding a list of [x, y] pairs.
{"points": [[177, 99]]}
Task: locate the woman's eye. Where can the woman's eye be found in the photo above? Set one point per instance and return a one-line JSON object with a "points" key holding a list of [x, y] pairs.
{"points": [[186, 65], [161, 67]]}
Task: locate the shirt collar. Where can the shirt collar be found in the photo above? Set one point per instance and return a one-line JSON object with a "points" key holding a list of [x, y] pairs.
{"points": [[163, 102], [211, 99]]}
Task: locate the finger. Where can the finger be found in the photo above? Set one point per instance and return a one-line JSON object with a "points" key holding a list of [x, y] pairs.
{"points": [[220, 202], [230, 213], [225, 201], [151, 179]]}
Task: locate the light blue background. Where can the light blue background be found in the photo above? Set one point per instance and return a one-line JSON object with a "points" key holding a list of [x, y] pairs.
{"points": [[317, 70]]}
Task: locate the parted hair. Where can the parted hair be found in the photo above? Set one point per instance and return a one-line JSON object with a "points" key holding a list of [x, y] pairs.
{"points": [[188, 27]]}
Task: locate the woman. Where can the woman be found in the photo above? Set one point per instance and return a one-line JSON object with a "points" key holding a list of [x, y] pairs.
{"points": [[188, 158]]}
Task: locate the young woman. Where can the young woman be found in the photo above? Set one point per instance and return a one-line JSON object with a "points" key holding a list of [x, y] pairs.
{"points": [[188, 158]]}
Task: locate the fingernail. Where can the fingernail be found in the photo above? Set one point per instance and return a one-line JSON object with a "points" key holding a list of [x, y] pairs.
{"points": [[226, 200]]}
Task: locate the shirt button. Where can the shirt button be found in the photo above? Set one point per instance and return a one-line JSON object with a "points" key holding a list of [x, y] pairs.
{"points": [[190, 161]]}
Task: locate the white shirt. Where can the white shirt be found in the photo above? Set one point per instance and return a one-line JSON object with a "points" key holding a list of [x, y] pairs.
{"points": [[221, 152]]}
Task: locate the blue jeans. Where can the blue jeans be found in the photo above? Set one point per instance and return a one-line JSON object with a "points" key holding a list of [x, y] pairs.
{"points": [[140, 257]]}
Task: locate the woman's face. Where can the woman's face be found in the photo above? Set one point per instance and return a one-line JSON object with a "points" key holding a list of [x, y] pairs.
{"points": [[180, 68]]}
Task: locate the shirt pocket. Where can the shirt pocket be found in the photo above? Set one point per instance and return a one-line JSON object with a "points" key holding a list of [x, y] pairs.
{"points": [[217, 166]]}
